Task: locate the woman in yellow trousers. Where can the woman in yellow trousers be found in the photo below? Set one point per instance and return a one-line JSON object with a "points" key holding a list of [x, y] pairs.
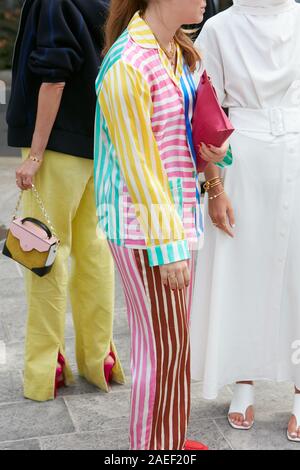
{"points": [[66, 186], [51, 117]]}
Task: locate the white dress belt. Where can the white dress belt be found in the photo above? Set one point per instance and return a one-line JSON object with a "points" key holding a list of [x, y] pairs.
{"points": [[276, 121]]}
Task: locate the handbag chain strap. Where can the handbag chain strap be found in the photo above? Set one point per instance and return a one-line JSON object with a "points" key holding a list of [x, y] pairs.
{"points": [[41, 206]]}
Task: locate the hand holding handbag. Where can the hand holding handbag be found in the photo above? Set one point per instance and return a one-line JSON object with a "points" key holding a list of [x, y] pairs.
{"points": [[210, 123], [30, 242]]}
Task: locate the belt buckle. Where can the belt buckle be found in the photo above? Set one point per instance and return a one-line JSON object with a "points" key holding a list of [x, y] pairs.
{"points": [[277, 122]]}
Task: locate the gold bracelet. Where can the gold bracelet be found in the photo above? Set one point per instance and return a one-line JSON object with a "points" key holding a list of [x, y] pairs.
{"points": [[212, 183], [213, 179], [216, 195], [34, 159]]}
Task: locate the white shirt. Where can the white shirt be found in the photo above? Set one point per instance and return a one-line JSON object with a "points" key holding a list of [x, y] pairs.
{"points": [[275, 22]]}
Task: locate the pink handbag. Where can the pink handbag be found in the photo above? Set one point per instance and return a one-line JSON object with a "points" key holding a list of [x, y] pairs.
{"points": [[30, 242], [210, 123]]}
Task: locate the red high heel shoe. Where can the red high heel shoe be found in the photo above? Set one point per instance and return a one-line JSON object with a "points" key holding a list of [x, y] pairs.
{"points": [[194, 445], [109, 367], [59, 376]]}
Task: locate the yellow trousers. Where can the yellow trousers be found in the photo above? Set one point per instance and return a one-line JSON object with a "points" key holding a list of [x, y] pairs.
{"points": [[65, 184]]}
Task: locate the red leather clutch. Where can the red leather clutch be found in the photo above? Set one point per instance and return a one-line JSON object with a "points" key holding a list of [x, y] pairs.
{"points": [[210, 123]]}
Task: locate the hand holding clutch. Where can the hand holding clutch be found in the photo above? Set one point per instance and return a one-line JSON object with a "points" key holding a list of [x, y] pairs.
{"points": [[211, 154], [211, 126]]}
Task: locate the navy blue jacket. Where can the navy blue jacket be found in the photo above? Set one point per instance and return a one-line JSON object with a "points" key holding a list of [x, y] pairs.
{"points": [[58, 41]]}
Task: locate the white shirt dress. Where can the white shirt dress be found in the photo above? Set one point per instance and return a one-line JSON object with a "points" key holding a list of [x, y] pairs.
{"points": [[246, 311]]}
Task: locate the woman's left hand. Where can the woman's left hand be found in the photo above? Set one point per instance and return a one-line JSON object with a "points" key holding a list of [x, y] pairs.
{"points": [[212, 154], [25, 174]]}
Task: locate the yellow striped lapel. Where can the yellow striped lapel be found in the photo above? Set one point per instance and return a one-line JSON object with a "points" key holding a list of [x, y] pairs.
{"points": [[140, 32]]}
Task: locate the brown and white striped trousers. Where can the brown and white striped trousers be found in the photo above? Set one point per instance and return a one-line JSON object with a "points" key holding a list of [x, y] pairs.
{"points": [[160, 353]]}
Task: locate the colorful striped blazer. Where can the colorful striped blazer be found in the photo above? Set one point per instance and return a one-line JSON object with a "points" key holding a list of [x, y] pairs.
{"points": [[147, 190]]}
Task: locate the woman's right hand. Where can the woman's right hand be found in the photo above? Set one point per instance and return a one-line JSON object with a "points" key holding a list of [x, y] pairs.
{"points": [[25, 174], [212, 154], [221, 212], [175, 275]]}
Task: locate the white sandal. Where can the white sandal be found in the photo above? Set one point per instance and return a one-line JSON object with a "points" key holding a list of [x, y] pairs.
{"points": [[243, 397], [296, 413]]}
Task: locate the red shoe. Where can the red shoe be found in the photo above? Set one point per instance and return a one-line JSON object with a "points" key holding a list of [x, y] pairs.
{"points": [[59, 376], [194, 445], [109, 367]]}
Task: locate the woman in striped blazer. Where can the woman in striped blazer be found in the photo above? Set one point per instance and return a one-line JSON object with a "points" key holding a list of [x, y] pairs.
{"points": [[148, 202]]}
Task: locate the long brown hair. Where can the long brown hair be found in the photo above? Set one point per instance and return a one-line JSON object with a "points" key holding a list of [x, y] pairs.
{"points": [[120, 14]]}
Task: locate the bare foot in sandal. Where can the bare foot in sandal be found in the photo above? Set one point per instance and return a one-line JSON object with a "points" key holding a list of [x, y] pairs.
{"points": [[241, 413]]}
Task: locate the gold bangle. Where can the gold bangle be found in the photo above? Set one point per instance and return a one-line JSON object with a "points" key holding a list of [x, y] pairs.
{"points": [[34, 159], [216, 195], [212, 184], [213, 179]]}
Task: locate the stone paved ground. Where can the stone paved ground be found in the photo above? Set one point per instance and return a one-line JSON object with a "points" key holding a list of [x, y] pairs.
{"points": [[5, 78], [83, 417]]}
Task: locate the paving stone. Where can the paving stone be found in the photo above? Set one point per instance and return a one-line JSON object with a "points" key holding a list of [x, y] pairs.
{"points": [[121, 322], [209, 408], [273, 397], [206, 431], [13, 313], [115, 439], [8, 268], [69, 332], [15, 356], [100, 412], [12, 289], [80, 387], [3, 332], [11, 386], [268, 433], [31, 419], [26, 444], [9, 190]]}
